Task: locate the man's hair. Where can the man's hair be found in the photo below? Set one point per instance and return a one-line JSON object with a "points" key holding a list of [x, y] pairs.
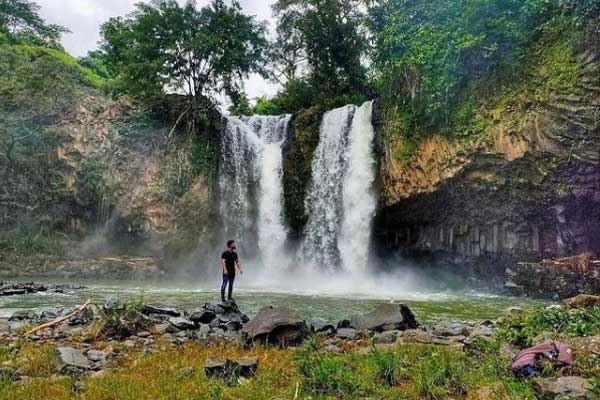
{"points": [[230, 242]]}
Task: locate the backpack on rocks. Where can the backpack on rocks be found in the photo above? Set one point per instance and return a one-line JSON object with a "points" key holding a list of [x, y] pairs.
{"points": [[530, 360]]}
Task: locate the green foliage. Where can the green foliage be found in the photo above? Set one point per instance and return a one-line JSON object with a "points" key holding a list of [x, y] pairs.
{"points": [[197, 51], [240, 105], [297, 167], [523, 328], [325, 373], [265, 106], [20, 23], [329, 34], [390, 367], [120, 319]]}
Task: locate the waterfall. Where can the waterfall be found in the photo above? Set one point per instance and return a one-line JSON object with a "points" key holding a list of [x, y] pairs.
{"points": [[250, 184], [359, 197], [324, 201], [341, 201]]}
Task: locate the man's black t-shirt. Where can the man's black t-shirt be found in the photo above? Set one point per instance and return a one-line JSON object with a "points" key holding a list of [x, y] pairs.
{"points": [[230, 258]]}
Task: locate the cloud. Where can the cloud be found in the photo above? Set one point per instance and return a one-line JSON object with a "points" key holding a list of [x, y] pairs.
{"points": [[84, 17]]}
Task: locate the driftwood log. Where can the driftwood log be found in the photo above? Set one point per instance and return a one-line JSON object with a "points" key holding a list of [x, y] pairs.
{"points": [[59, 320]]}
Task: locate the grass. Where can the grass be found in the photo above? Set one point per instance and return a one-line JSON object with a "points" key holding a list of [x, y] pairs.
{"points": [[402, 371]]}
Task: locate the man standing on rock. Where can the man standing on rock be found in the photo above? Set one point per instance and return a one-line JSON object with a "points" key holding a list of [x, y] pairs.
{"points": [[229, 259]]}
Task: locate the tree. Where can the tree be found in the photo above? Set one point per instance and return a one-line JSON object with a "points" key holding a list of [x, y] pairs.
{"points": [[20, 23], [333, 42], [166, 46]]}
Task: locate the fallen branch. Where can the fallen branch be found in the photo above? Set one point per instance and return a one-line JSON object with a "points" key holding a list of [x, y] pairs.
{"points": [[59, 320]]}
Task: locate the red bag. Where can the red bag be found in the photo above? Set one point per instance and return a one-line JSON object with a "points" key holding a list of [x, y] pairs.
{"points": [[526, 361]]}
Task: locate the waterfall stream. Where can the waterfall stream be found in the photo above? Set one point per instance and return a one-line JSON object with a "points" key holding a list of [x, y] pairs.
{"points": [[250, 184], [340, 202]]}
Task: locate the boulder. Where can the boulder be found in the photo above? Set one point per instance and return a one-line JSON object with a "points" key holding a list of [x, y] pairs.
{"points": [[282, 326], [452, 328], [564, 388], [582, 301], [387, 337], [346, 333], [181, 323], [72, 361], [385, 317], [148, 309], [202, 316], [231, 370]]}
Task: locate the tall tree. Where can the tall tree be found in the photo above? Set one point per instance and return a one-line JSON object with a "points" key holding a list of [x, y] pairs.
{"points": [[331, 36], [197, 51], [20, 23]]}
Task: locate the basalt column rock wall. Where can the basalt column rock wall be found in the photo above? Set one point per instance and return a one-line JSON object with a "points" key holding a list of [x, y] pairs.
{"points": [[528, 189]]}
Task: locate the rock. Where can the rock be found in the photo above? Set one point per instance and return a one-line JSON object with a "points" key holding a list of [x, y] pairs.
{"points": [[231, 369], [582, 301], [346, 333], [202, 316], [564, 388], [323, 329], [282, 326], [143, 334], [72, 361], [385, 337], [215, 308], [148, 309], [416, 336], [163, 328], [385, 317], [22, 315], [452, 328], [96, 355], [181, 323]]}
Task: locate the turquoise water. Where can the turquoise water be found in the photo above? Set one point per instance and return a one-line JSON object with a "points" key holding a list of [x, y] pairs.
{"points": [[428, 306]]}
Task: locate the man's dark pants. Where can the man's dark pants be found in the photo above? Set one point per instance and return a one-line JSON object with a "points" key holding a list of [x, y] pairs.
{"points": [[227, 279]]}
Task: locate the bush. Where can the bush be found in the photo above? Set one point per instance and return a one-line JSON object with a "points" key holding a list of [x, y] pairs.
{"points": [[522, 329], [390, 367]]}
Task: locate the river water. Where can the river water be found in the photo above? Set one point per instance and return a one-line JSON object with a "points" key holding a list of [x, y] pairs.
{"points": [[428, 306]]}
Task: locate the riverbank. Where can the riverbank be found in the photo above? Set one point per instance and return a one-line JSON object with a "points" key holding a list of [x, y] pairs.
{"points": [[145, 351]]}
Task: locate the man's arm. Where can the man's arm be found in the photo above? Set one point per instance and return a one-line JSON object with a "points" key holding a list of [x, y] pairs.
{"points": [[239, 265], [223, 265]]}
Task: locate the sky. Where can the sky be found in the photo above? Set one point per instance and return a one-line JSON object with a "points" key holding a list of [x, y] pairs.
{"points": [[84, 17]]}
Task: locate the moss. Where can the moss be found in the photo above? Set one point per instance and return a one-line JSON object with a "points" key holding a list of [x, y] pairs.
{"points": [[297, 166]]}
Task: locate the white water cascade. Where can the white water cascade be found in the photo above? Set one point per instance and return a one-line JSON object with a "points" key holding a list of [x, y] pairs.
{"points": [[341, 201], [360, 199], [250, 184]]}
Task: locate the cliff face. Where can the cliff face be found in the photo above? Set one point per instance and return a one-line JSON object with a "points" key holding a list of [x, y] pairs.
{"points": [[528, 188]]}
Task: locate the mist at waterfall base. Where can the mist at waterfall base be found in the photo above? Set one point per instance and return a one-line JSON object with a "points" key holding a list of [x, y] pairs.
{"points": [[333, 257]]}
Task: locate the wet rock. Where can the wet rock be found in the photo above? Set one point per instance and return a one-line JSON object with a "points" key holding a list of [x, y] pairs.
{"points": [[385, 337], [385, 317], [148, 309], [202, 316], [346, 333], [582, 301], [324, 329], [16, 289], [181, 323], [22, 315], [282, 326], [72, 361], [564, 388]]}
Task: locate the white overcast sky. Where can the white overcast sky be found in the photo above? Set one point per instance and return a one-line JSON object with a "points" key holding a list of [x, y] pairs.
{"points": [[84, 17]]}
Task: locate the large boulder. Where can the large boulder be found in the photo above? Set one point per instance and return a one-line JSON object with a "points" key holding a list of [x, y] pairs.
{"points": [[72, 361], [149, 309], [385, 317], [564, 388], [281, 326]]}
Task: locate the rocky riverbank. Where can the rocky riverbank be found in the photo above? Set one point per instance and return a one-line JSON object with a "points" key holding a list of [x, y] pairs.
{"points": [[238, 353]]}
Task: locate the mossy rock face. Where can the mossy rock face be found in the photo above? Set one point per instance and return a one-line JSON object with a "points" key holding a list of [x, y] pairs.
{"points": [[298, 155]]}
